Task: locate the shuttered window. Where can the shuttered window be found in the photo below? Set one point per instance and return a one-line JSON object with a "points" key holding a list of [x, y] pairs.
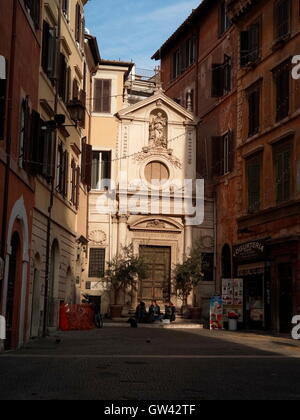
{"points": [[97, 263], [254, 110], [65, 8], [224, 21], [78, 23], [86, 164], [62, 171], [282, 18], [75, 184], [282, 81], [250, 44], [221, 78], [102, 96], [34, 8], [3, 87], [223, 154], [64, 82], [254, 180], [282, 159], [49, 50], [101, 172], [24, 133]]}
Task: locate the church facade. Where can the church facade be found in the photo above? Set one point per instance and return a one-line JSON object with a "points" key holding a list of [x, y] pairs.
{"points": [[145, 194]]}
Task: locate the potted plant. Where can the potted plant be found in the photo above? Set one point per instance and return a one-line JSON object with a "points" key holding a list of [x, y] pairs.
{"points": [[123, 272], [188, 275]]}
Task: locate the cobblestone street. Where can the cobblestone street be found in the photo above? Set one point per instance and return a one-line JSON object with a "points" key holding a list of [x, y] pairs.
{"points": [[145, 364]]}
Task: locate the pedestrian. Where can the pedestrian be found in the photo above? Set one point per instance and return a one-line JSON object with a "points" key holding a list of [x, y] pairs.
{"points": [[154, 311]]}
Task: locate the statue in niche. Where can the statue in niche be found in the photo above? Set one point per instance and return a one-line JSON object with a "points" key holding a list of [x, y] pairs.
{"points": [[158, 130]]}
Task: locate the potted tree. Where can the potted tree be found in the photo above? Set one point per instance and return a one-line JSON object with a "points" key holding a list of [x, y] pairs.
{"points": [[123, 272], [188, 275]]}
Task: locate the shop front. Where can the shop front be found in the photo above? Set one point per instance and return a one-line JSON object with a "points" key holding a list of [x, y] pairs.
{"points": [[252, 266], [284, 255]]}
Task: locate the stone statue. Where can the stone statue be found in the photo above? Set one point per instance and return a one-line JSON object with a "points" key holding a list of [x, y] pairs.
{"points": [[158, 131]]}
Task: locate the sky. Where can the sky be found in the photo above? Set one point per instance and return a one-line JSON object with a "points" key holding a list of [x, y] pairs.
{"points": [[135, 29]]}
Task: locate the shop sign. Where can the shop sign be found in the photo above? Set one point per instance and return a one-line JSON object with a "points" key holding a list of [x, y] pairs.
{"points": [[250, 251]]}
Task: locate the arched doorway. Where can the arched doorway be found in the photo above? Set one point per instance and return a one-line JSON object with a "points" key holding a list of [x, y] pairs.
{"points": [[226, 262], [36, 314], [13, 295], [53, 306]]}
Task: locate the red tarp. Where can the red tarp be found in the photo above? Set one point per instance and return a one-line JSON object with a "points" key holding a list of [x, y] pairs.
{"points": [[76, 317]]}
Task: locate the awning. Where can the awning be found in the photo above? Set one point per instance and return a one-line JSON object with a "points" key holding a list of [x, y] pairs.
{"points": [[2, 67], [251, 269]]}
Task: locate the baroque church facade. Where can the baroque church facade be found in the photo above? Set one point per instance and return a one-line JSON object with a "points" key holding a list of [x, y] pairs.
{"points": [[145, 193]]}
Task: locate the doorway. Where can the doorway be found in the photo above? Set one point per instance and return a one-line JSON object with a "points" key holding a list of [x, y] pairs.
{"points": [[157, 285], [36, 304], [286, 313], [12, 302]]}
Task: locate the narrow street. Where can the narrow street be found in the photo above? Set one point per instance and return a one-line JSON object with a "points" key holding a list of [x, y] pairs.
{"points": [[153, 364]]}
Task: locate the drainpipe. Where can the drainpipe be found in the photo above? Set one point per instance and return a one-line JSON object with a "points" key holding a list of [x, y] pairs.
{"points": [[49, 219], [8, 138]]}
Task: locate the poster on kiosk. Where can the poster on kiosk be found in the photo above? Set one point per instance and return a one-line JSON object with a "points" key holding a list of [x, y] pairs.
{"points": [[233, 299], [216, 313]]}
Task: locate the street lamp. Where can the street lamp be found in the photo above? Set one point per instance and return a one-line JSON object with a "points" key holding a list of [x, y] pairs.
{"points": [[76, 110]]}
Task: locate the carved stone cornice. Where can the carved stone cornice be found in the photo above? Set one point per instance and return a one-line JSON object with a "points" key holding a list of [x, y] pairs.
{"points": [[237, 8], [156, 152]]}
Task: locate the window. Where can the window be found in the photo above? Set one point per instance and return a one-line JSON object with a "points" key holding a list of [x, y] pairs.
{"points": [[101, 172], [208, 266], [49, 50], [282, 81], [86, 164], [282, 18], [62, 170], [24, 133], [254, 95], [64, 79], [223, 154], [157, 172], [176, 67], [97, 263], [250, 44], [254, 180], [221, 78], [188, 53], [282, 160], [102, 96], [45, 154], [75, 184], [65, 8], [75, 89], [33, 7], [224, 21], [78, 22], [184, 57], [3, 84]]}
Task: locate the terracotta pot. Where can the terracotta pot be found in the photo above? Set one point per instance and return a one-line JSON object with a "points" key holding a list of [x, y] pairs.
{"points": [[116, 311]]}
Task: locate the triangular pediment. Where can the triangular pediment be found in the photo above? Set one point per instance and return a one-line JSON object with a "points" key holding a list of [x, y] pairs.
{"points": [[159, 100]]}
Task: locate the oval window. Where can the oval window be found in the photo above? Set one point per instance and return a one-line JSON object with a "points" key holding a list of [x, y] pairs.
{"points": [[157, 173]]}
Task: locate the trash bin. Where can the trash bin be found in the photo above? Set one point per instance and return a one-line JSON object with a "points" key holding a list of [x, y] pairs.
{"points": [[233, 324]]}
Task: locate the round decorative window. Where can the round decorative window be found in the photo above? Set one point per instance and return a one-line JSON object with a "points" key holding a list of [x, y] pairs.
{"points": [[157, 173]]}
